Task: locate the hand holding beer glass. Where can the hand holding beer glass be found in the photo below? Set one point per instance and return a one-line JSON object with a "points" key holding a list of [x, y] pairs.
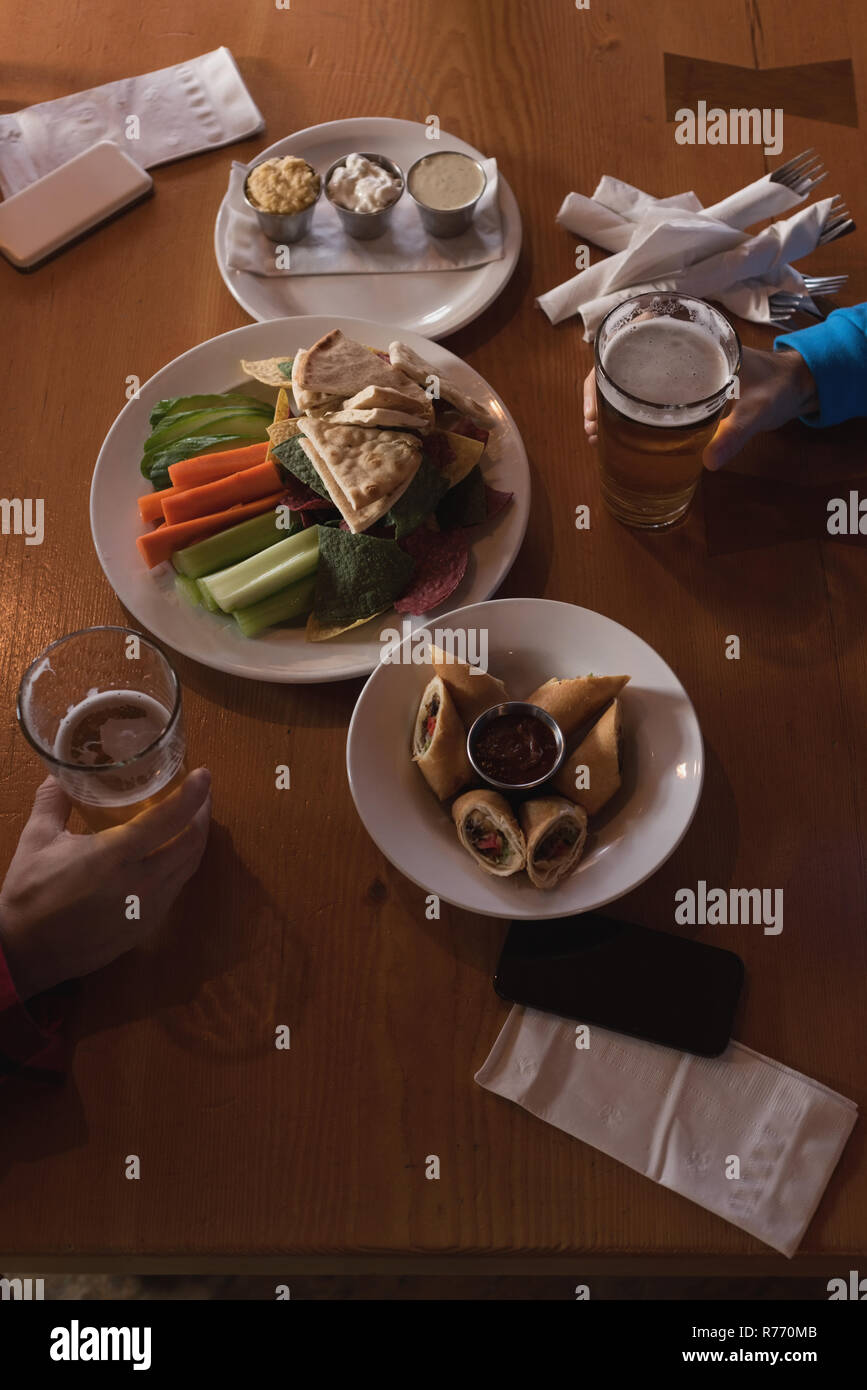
{"points": [[666, 368], [103, 709]]}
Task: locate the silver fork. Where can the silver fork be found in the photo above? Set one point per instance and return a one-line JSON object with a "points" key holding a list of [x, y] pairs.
{"points": [[824, 284], [837, 223], [802, 174]]}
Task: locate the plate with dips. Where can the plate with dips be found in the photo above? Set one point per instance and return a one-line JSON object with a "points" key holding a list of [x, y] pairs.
{"points": [[432, 303], [461, 834]]}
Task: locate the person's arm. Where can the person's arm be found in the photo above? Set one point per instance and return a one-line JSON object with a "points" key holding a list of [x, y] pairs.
{"points": [[835, 352], [62, 907], [30, 1038]]}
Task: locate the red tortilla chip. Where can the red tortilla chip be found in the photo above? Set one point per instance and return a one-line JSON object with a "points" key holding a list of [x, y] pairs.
{"points": [[440, 565], [495, 500], [466, 427]]}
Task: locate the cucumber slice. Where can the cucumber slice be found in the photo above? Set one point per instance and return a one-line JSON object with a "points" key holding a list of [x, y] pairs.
{"points": [[177, 404], [230, 420]]}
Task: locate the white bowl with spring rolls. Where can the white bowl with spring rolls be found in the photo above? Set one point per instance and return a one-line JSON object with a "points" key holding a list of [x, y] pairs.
{"points": [[616, 808], [397, 469]]}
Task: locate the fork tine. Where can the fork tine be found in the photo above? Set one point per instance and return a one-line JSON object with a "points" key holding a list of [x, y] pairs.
{"points": [[779, 174]]}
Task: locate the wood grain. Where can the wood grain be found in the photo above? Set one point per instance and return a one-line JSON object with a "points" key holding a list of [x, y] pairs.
{"points": [[319, 1153]]}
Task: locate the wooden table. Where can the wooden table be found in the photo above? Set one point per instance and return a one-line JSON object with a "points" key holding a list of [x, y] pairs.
{"points": [[314, 1158]]}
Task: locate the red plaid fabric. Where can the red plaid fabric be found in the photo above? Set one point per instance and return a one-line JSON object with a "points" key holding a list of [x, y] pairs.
{"points": [[30, 1040]]}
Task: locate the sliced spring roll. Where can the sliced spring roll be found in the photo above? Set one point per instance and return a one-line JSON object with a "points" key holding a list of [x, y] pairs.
{"points": [[601, 753], [555, 831], [489, 832], [472, 693], [570, 702], [439, 743]]}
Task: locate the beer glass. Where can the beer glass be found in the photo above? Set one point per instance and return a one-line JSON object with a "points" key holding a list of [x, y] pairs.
{"points": [[666, 367], [102, 708]]}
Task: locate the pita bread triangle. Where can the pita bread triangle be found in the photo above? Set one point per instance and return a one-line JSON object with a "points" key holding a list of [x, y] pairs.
{"points": [[338, 366]]}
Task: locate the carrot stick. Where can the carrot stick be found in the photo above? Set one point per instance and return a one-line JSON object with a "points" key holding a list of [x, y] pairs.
{"points": [[207, 468], [225, 492], [161, 544], [151, 505]]}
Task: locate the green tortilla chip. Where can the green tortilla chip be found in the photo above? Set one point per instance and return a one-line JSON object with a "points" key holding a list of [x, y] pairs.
{"points": [[291, 455], [419, 500], [464, 504], [285, 368], [357, 577]]}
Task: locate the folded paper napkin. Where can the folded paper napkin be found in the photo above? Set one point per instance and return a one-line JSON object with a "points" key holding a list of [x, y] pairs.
{"points": [[193, 106], [680, 1119], [674, 243], [328, 250]]}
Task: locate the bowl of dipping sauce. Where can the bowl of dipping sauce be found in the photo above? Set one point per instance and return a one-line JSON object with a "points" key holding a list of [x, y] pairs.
{"points": [[283, 193], [516, 746], [446, 188], [363, 189]]}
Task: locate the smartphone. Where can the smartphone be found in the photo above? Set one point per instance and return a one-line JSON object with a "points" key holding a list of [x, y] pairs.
{"points": [[649, 984]]}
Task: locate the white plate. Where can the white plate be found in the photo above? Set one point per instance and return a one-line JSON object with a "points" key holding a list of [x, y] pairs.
{"points": [[433, 303], [528, 641], [282, 654]]}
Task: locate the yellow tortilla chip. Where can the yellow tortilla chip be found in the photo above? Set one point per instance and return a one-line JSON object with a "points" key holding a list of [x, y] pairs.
{"points": [[267, 370], [317, 633], [282, 430]]}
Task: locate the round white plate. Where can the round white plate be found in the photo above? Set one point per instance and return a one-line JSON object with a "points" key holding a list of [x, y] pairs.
{"points": [[281, 654], [528, 641], [434, 303]]}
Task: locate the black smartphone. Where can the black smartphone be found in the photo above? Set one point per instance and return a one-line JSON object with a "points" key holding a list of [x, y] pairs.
{"points": [[650, 984]]}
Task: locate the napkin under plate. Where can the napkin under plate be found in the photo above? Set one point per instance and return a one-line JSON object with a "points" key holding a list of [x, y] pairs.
{"points": [[679, 1119], [328, 250]]}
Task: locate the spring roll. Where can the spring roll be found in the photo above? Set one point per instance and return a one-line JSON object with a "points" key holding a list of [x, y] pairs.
{"points": [[472, 693], [489, 832], [571, 702], [439, 742], [555, 831], [601, 754]]}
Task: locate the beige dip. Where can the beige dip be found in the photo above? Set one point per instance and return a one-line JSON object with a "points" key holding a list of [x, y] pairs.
{"points": [[446, 180], [286, 185]]}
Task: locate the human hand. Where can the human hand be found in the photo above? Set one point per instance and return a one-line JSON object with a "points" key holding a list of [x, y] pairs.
{"points": [[63, 901], [775, 387]]}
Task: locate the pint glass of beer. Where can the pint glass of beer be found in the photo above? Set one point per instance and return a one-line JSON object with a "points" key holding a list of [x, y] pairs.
{"points": [[666, 367], [102, 708]]}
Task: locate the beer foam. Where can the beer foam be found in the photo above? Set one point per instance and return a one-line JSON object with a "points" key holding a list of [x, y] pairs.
{"points": [[664, 361], [109, 726]]}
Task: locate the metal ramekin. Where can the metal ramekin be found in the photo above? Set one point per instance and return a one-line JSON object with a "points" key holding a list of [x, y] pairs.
{"points": [[283, 227], [516, 707], [364, 226], [446, 222]]}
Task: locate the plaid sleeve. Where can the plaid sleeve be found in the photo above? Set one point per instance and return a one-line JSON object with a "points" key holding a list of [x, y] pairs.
{"points": [[31, 1043]]}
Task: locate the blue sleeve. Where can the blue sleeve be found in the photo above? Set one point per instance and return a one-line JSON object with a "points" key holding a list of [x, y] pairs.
{"points": [[836, 353]]}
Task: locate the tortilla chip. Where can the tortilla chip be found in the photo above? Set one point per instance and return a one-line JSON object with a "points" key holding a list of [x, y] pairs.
{"points": [[357, 577], [269, 370], [319, 632], [419, 501], [465, 504], [282, 430]]}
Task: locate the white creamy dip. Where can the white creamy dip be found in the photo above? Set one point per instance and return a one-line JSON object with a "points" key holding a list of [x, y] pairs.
{"points": [[446, 180], [362, 186]]}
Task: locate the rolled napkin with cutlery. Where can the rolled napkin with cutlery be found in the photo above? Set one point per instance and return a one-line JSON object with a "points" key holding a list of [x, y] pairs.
{"points": [[656, 241], [682, 1120], [327, 250], [198, 105]]}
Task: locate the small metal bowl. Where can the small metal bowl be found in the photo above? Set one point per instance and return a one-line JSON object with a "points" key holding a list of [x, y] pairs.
{"points": [[516, 707], [283, 227], [447, 222], [364, 226]]}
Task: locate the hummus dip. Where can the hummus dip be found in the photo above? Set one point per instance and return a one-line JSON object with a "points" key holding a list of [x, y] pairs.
{"points": [[446, 180], [284, 185]]}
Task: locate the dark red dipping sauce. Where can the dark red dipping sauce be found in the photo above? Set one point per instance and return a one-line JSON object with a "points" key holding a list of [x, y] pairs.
{"points": [[516, 748]]}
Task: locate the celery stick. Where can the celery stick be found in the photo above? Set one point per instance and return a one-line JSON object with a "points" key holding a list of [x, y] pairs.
{"points": [[187, 589], [227, 547], [205, 598], [287, 603], [263, 574]]}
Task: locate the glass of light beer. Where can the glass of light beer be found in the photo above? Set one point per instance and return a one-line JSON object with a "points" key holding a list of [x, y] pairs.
{"points": [[666, 367], [102, 708]]}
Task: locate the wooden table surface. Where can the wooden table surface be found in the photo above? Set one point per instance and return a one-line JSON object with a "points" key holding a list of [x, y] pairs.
{"points": [[318, 1153]]}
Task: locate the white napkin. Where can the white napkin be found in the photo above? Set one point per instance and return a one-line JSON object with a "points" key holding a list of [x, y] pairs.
{"points": [[654, 239], [678, 1119], [764, 257], [328, 250], [197, 105]]}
